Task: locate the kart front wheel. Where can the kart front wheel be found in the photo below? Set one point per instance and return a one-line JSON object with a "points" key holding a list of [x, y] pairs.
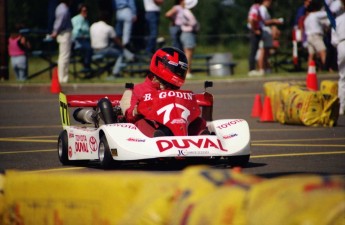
{"points": [[63, 148], [104, 154]]}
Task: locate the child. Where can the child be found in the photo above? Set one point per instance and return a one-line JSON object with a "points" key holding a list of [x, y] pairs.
{"points": [[18, 45]]}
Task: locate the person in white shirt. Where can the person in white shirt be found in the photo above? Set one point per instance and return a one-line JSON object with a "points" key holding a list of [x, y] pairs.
{"points": [[266, 42], [338, 40], [314, 28], [103, 39], [335, 6]]}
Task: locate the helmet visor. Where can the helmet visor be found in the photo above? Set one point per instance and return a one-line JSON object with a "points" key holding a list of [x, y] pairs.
{"points": [[177, 68]]}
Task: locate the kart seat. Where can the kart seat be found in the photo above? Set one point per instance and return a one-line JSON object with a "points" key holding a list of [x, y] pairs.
{"points": [[125, 101]]}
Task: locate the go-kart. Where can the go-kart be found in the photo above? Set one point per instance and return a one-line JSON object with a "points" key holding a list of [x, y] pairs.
{"points": [[104, 135]]}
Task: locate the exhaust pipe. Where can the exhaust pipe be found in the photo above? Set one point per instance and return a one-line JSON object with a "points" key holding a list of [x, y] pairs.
{"points": [[85, 115]]}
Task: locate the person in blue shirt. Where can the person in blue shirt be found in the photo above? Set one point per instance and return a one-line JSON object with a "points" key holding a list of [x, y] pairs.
{"points": [[299, 20], [81, 35]]}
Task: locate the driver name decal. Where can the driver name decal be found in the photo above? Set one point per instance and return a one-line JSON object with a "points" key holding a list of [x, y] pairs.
{"points": [[202, 143], [165, 94]]}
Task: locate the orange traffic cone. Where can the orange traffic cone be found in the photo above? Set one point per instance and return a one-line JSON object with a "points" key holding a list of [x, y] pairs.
{"points": [[257, 106], [55, 87], [311, 77], [267, 115]]}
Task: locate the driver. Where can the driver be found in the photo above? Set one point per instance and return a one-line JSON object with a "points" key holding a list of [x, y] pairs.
{"points": [[168, 70]]}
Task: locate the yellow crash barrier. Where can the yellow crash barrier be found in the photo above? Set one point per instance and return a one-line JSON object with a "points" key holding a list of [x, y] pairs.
{"points": [[197, 195]]}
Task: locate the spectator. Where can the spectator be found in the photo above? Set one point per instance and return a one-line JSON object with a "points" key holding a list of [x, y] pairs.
{"points": [[338, 40], [189, 28], [335, 7], [299, 22], [301, 12], [267, 38], [299, 38], [81, 35], [175, 14], [62, 31], [105, 42], [152, 14], [254, 25], [168, 70], [314, 28], [18, 45], [126, 15]]}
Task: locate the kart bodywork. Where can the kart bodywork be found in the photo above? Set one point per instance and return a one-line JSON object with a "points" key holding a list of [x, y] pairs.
{"points": [[120, 141]]}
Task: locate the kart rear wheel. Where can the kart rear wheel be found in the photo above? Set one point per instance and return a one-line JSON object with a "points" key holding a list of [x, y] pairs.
{"points": [[104, 154], [63, 148], [240, 160]]}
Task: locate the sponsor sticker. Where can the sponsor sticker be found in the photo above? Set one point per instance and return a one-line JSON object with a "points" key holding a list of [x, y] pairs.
{"points": [[93, 144], [186, 152], [229, 124], [70, 152], [185, 143], [230, 136], [81, 143], [123, 125], [135, 140]]}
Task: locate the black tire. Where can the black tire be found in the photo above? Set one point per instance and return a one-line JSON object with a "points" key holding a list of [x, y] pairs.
{"points": [[241, 160], [63, 148], [107, 112], [104, 154]]}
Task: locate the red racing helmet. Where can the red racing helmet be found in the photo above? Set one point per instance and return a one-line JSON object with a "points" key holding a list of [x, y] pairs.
{"points": [[170, 65]]}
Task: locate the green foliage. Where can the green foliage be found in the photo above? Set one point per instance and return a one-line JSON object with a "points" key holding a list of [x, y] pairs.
{"points": [[223, 22], [31, 13], [217, 17]]}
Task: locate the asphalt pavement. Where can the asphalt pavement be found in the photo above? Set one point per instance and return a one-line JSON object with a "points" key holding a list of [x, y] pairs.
{"points": [[30, 124]]}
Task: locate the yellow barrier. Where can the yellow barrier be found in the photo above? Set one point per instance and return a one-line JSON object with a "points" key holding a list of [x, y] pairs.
{"points": [[298, 199], [198, 185], [2, 197], [293, 104], [197, 195], [329, 87], [34, 199]]}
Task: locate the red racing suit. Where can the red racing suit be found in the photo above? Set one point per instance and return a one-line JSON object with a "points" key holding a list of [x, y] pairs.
{"points": [[195, 128]]}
